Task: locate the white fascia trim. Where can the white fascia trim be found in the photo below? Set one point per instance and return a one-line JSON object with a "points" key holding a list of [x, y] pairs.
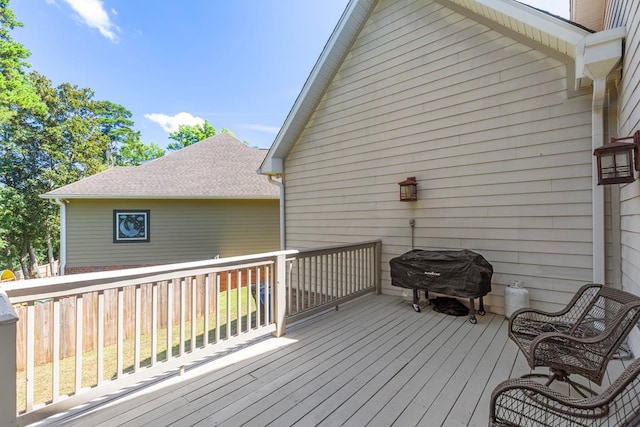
{"points": [[69, 197], [598, 53], [310, 93], [542, 21]]}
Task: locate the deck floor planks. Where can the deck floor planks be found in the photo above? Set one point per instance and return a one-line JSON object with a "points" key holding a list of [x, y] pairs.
{"points": [[345, 363], [272, 384], [402, 376], [373, 362], [387, 346], [359, 388], [229, 374], [269, 372], [416, 378], [374, 394], [457, 402], [499, 372], [430, 390]]}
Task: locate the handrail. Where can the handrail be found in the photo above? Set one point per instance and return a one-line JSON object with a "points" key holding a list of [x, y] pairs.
{"points": [[295, 283], [35, 289]]}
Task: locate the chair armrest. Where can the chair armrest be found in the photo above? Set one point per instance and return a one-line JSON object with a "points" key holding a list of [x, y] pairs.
{"points": [[525, 402], [535, 321]]}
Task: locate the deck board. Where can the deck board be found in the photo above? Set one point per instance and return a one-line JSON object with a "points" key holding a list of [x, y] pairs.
{"points": [[373, 362]]}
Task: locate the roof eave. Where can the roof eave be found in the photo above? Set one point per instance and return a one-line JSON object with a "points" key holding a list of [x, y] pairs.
{"points": [[535, 18], [338, 45], [151, 197]]}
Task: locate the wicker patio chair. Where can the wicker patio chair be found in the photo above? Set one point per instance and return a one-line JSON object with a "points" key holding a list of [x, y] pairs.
{"points": [[580, 339], [523, 402]]}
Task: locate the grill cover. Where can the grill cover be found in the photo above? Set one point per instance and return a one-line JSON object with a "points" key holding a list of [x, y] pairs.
{"points": [[462, 273]]}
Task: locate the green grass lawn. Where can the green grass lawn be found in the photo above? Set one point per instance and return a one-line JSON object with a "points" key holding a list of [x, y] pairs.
{"points": [[43, 373]]}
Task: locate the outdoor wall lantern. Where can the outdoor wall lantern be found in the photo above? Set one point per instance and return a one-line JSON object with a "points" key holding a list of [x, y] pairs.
{"points": [[618, 160], [408, 189]]}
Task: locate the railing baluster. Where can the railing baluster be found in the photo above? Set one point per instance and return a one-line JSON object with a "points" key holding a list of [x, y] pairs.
{"points": [[55, 356], [170, 296], [136, 333], [228, 326], [205, 296], [259, 285], [358, 274], [315, 281], [342, 274], [217, 307], [154, 323], [183, 315], [267, 296], [194, 306], [325, 278], [298, 261], [79, 303], [120, 337], [351, 268], [238, 302], [100, 343], [249, 307], [30, 362]]}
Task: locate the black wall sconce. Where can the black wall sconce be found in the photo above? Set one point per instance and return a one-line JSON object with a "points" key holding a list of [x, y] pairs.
{"points": [[409, 189], [618, 161]]}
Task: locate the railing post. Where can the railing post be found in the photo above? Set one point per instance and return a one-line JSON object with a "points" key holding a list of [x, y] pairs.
{"points": [[378, 267], [8, 320], [280, 296]]}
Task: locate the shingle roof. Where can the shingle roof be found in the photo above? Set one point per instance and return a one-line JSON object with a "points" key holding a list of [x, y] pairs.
{"points": [[217, 167]]}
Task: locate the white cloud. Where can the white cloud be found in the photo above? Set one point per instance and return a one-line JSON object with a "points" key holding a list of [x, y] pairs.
{"points": [[171, 123], [92, 13], [262, 128]]}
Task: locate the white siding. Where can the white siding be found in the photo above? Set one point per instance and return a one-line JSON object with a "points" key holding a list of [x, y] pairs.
{"points": [[627, 13], [588, 13], [502, 156], [180, 230]]}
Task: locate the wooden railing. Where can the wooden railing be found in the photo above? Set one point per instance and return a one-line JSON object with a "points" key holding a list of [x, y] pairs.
{"points": [[83, 336], [322, 278]]}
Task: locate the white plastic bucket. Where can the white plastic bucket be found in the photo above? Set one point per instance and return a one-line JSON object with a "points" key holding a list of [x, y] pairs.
{"points": [[515, 298]]}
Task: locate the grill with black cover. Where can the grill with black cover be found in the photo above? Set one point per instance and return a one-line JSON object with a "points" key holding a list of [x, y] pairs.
{"points": [[463, 273]]}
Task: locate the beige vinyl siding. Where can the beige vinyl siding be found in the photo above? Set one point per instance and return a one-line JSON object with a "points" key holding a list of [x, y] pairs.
{"points": [[627, 13], [501, 155], [588, 13], [180, 230]]}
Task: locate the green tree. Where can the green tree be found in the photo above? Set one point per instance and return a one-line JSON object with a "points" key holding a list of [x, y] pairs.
{"points": [[13, 216], [134, 152], [116, 124], [41, 151], [15, 89], [190, 134]]}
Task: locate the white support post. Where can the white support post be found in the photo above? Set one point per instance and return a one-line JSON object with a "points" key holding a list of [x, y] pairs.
{"points": [[8, 320], [280, 296]]}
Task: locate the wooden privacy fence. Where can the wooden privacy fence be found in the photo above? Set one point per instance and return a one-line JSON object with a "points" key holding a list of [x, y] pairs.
{"points": [[44, 321]]}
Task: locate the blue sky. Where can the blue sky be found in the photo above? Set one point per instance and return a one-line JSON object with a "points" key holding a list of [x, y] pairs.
{"points": [[239, 64]]}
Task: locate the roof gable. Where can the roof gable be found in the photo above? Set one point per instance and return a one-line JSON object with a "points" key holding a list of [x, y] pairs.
{"points": [[217, 167], [551, 31]]}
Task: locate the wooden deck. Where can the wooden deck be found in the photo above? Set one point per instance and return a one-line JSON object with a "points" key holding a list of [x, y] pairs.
{"points": [[374, 362]]}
